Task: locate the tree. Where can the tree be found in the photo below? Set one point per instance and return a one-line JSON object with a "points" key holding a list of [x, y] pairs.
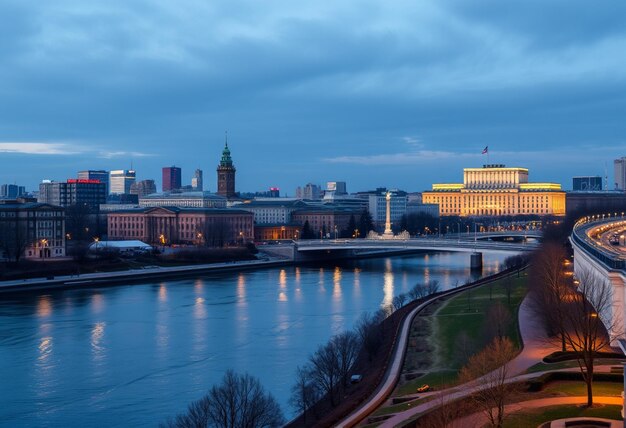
{"points": [[81, 222], [590, 321], [549, 290], [307, 232], [238, 402], [370, 332], [399, 301], [14, 237], [497, 321], [304, 393], [491, 366], [365, 223], [348, 346], [351, 229]]}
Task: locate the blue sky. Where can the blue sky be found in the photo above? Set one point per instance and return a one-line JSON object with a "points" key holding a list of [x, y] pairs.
{"points": [[397, 94]]}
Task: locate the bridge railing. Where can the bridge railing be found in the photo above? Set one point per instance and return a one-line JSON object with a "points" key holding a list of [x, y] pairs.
{"points": [[580, 237]]}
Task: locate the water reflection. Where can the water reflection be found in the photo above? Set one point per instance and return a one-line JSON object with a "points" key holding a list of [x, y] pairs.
{"points": [[162, 293], [44, 306], [337, 285], [357, 282], [97, 333], [97, 303], [388, 285]]}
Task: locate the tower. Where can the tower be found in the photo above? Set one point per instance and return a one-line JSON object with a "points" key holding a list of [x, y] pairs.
{"points": [[171, 178], [226, 174]]}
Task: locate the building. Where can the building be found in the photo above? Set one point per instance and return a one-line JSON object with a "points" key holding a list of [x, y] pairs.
{"points": [[272, 212], [377, 206], [338, 187], [587, 184], [74, 191], [418, 208], [173, 225], [143, 188], [11, 191], [598, 202], [269, 232], [120, 181], [310, 191], [619, 168], [32, 230], [95, 174], [226, 175], [183, 200], [325, 221], [196, 182], [495, 190], [171, 178]]}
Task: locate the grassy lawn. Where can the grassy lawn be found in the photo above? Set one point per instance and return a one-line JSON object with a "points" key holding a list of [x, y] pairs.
{"points": [[573, 389], [542, 367], [535, 417], [466, 312]]}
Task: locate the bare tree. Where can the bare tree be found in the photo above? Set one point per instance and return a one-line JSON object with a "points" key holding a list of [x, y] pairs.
{"points": [[432, 287], [304, 393], [549, 289], [348, 346], [370, 332], [490, 367], [325, 370], [497, 321], [14, 237], [399, 301], [238, 402], [590, 322]]}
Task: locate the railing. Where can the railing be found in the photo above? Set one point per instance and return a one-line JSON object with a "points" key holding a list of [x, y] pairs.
{"points": [[580, 237]]}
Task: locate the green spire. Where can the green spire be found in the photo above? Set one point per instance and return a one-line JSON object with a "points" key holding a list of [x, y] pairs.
{"points": [[226, 159]]}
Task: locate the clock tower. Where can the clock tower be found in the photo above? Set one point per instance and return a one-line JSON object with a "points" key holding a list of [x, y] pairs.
{"points": [[226, 174]]}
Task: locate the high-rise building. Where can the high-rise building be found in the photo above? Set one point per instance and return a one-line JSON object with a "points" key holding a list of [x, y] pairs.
{"points": [[73, 192], [171, 178], [619, 166], [378, 206], [588, 184], [11, 191], [309, 191], [495, 190], [338, 187], [226, 174], [143, 188], [120, 181], [95, 174], [196, 181]]}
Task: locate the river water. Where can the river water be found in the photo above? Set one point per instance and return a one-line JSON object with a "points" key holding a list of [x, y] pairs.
{"points": [[133, 355]]}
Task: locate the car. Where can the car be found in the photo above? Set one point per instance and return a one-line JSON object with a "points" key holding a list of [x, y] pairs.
{"points": [[356, 378], [423, 388]]}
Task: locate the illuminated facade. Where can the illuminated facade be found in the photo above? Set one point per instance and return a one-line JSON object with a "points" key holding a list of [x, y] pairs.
{"points": [[495, 190]]}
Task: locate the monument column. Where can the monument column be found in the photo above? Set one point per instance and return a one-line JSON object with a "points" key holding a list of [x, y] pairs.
{"points": [[388, 233]]}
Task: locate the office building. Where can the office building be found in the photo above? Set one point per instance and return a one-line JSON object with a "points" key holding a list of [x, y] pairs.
{"points": [[196, 182], [272, 212], [171, 178], [226, 175], [587, 184], [377, 206], [619, 166], [120, 181], [338, 187], [74, 191], [495, 190], [11, 191], [310, 191], [92, 174], [143, 188]]}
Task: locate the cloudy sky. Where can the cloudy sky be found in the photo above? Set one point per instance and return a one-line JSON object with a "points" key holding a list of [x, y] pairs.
{"points": [[396, 94]]}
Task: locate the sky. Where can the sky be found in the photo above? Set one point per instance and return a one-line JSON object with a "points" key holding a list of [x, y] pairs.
{"points": [[397, 94]]}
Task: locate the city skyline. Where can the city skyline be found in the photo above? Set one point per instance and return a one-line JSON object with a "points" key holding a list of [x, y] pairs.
{"points": [[394, 95]]}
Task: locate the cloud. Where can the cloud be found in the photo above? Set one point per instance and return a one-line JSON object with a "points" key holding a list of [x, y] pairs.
{"points": [[64, 149], [405, 158]]}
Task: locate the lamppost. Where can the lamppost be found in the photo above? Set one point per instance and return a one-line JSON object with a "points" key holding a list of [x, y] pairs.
{"points": [[335, 232], [241, 236]]}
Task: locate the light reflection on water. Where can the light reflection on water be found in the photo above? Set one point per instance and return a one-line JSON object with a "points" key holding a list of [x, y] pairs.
{"points": [[134, 355]]}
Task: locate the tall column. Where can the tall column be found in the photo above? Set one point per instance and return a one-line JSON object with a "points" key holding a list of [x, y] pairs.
{"points": [[388, 231]]}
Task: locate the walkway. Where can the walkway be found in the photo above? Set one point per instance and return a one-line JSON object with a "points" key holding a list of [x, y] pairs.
{"points": [[479, 419]]}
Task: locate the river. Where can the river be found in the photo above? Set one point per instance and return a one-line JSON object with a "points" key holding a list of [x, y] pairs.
{"points": [[133, 355]]}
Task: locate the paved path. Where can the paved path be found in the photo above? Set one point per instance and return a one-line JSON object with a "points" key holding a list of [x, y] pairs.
{"points": [[480, 419], [536, 346]]}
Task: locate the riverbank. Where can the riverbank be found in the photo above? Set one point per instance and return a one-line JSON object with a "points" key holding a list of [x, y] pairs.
{"points": [[134, 275]]}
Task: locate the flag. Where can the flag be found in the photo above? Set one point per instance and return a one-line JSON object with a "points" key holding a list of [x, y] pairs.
{"points": [[485, 150]]}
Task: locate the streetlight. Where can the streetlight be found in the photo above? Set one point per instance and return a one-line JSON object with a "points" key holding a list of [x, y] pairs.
{"points": [[335, 232]]}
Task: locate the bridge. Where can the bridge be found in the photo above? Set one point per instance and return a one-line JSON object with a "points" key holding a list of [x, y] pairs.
{"points": [[330, 249], [593, 253]]}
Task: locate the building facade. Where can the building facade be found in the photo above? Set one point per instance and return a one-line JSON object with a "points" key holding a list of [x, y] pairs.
{"points": [[32, 230], [11, 191], [619, 169], [310, 191], [495, 190], [183, 200], [143, 188], [324, 221], [93, 174], [378, 207], [171, 178], [226, 175], [587, 184], [272, 212], [75, 191], [120, 181], [172, 225]]}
